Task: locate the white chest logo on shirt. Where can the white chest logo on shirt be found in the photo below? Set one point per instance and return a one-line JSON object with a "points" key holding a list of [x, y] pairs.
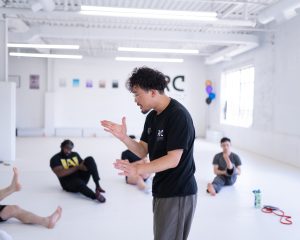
{"points": [[160, 133]]}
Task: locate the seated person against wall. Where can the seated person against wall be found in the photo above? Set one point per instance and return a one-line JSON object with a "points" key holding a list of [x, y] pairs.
{"points": [[139, 180], [227, 165], [26, 217], [74, 173]]}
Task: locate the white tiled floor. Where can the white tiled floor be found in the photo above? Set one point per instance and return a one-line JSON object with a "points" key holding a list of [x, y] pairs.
{"points": [[128, 214]]}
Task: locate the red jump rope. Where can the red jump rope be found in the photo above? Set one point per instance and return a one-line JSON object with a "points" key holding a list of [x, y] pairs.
{"points": [[284, 219]]}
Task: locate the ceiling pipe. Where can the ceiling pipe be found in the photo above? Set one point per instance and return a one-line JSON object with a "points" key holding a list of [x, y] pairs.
{"points": [[230, 10], [31, 36], [29, 13], [45, 5], [229, 53], [284, 9]]}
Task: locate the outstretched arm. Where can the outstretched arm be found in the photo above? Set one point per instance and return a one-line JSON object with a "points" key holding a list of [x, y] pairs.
{"points": [[13, 187], [142, 161], [171, 160], [120, 132], [138, 148]]}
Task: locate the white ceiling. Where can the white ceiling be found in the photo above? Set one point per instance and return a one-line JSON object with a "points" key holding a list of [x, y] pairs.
{"points": [[100, 36]]}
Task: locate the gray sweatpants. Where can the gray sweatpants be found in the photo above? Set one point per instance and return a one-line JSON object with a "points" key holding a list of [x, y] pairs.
{"points": [[222, 180], [173, 217]]}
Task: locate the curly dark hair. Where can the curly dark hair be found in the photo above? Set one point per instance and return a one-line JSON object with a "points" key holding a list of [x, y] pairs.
{"points": [[147, 79]]}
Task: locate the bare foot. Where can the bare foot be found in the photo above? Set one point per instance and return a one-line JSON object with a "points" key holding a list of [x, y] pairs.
{"points": [[141, 184], [53, 219], [211, 189], [15, 185]]}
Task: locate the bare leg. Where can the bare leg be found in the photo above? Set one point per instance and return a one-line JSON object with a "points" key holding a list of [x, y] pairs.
{"points": [[146, 175], [132, 180], [141, 183], [137, 180], [13, 187], [211, 189], [14, 211]]}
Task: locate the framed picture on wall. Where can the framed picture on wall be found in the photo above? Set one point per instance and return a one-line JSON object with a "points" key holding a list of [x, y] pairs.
{"points": [[115, 84], [102, 84], [34, 81], [76, 82], [89, 83], [16, 79]]}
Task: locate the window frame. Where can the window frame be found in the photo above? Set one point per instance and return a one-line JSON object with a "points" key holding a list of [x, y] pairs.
{"points": [[244, 105]]}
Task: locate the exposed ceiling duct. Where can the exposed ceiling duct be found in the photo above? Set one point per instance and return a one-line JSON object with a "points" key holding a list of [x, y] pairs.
{"points": [[60, 14], [59, 22], [229, 52], [45, 5], [283, 10], [17, 25]]}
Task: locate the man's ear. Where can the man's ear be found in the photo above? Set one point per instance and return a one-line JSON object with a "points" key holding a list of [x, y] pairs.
{"points": [[153, 92]]}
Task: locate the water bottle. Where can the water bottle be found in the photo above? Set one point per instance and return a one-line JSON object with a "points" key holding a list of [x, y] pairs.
{"points": [[257, 198]]}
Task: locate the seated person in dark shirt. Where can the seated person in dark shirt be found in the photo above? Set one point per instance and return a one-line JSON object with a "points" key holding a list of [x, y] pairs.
{"points": [[26, 217], [74, 173], [227, 165], [138, 180]]}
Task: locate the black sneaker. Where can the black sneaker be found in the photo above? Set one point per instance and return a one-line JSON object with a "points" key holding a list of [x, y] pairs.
{"points": [[100, 197]]}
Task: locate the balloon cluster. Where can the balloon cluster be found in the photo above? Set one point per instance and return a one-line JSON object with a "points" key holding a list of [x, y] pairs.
{"points": [[209, 90]]}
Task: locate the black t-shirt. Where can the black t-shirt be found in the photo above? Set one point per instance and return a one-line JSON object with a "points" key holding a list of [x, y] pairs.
{"points": [[130, 156], [1, 208], [60, 159], [172, 129]]}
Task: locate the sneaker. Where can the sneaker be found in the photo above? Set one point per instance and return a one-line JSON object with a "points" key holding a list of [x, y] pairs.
{"points": [[100, 197]]}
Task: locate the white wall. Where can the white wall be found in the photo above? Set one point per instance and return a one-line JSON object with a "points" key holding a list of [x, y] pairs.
{"points": [[83, 107], [275, 132], [30, 102]]}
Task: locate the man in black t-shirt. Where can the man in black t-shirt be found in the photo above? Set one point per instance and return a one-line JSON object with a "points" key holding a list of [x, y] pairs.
{"points": [[168, 137], [74, 173], [227, 165]]}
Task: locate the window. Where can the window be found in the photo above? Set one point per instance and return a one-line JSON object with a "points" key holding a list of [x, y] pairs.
{"points": [[237, 93]]}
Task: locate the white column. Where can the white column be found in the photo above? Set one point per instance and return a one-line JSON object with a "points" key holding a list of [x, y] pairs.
{"points": [[3, 50], [7, 103], [7, 122]]}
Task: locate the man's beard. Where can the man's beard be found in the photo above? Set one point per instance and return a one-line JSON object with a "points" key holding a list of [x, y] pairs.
{"points": [[145, 111], [66, 154]]}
